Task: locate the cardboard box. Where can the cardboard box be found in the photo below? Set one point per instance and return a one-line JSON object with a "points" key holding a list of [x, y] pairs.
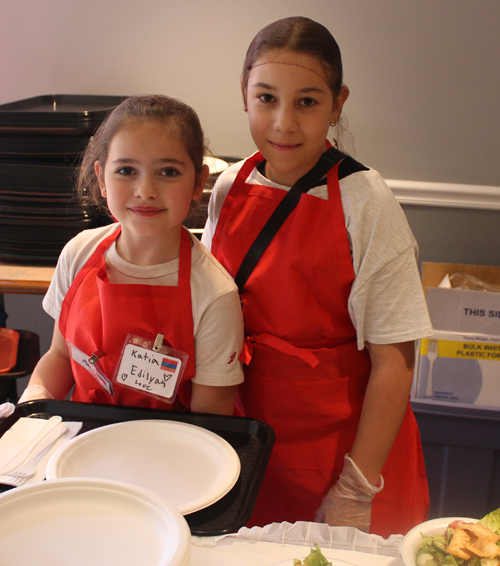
{"points": [[434, 273], [460, 363]]}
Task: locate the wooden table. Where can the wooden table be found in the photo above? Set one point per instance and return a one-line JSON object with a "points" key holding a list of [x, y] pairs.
{"points": [[23, 279]]}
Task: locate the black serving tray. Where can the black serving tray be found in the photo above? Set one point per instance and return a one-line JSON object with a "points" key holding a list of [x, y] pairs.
{"points": [[34, 259], [40, 114], [35, 249], [29, 197], [54, 209], [42, 145], [25, 209], [52, 159], [48, 230], [20, 173], [253, 441]]}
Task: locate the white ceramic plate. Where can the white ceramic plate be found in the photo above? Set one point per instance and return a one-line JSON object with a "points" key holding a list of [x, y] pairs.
{"points": [[413, 539], [83, 522], [215, 165], [187, 465], [328, 554]]}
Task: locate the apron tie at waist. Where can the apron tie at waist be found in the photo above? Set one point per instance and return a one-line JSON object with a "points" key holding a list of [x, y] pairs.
{"points": [[277, 344]]}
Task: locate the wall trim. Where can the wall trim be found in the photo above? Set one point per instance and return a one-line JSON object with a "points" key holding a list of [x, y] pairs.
{"points": [[446, 194]]}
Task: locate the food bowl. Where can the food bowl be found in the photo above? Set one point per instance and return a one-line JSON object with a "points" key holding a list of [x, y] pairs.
{"points": [[413, 539]]}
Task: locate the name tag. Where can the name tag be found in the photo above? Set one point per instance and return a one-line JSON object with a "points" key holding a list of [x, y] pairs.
{"points": [[153, 369]]}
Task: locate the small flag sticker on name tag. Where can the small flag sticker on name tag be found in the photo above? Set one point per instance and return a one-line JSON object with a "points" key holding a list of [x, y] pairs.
{"points": [[169, 364]]}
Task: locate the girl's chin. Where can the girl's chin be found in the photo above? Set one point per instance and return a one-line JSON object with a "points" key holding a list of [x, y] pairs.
{"points": [[285, 174]]}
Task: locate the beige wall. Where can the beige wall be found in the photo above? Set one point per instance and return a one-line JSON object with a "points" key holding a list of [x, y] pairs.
{"points": [[424, 75]]}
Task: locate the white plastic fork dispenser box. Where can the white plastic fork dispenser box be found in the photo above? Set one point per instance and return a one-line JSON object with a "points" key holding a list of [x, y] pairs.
{"points": [[460, 363]]}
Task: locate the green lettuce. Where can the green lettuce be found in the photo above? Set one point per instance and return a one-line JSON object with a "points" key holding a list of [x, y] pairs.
{"points": [[492, 521], [315, 558]]}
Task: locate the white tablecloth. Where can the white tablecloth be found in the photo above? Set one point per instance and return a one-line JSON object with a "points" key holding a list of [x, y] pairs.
{"points": [[284, 541]]}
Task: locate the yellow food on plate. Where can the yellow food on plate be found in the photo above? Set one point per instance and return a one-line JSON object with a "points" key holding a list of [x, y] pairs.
{"points": [[457, 544], [470, 539]]}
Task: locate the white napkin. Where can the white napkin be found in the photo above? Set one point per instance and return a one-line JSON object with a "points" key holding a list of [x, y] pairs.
{"points": [[277, 543], [19, 435], [305, 533]]}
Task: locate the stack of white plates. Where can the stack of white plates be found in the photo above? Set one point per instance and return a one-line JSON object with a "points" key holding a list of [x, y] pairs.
{"points": [[117, 495], [189, 466], [83, 522]]}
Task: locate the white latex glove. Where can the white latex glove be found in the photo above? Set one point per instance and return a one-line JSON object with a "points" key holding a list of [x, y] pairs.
{"points": [[6, 409], [33, 392], [348, 503]]}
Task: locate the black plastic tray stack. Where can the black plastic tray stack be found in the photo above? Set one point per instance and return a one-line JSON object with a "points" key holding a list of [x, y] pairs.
{"points": [[41, 142]]}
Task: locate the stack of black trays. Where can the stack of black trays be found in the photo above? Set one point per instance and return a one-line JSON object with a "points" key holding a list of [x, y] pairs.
{"points": [[41, 142]]}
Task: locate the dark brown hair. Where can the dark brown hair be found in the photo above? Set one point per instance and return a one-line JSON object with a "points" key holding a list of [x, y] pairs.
{"points": [[301, 35], [134, 110]]}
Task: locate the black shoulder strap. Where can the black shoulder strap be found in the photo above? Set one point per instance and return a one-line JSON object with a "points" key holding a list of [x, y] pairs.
{"points": [[350, 166], [328, 160]]}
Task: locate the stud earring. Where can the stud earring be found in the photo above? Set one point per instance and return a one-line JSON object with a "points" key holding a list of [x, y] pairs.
{"points": [[333, 125]]}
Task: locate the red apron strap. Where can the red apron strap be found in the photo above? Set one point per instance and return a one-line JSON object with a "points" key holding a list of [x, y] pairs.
{"points": [[94, 258], [277, 344], [328, 160], [232, 195]]}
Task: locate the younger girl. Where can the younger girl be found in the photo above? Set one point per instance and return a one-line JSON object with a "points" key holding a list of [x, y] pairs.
{"points": [[143, 275], [331, 293]]}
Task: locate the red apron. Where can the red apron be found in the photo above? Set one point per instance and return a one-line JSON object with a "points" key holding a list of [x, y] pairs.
{"points": [[97, 315], [304, 374]]}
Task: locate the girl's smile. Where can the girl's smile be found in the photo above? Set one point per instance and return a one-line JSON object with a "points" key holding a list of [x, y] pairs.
{"points": [[146, 210], [290, 108], [285, 146]]}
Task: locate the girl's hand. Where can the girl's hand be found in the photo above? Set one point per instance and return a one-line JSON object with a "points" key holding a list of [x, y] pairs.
{"points": [[52, 377], [349, 502]]}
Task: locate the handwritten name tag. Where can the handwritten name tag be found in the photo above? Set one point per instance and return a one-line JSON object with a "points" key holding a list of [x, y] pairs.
{"points": [[153, 373]]}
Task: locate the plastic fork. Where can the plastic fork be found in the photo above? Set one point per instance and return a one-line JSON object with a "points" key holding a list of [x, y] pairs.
{"points": [[432, 356], [21, 456], [13, 481], [28, 468]]}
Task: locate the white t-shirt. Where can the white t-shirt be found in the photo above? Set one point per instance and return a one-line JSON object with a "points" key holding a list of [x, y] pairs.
{"points": [[217, 317], [386, 303]]}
